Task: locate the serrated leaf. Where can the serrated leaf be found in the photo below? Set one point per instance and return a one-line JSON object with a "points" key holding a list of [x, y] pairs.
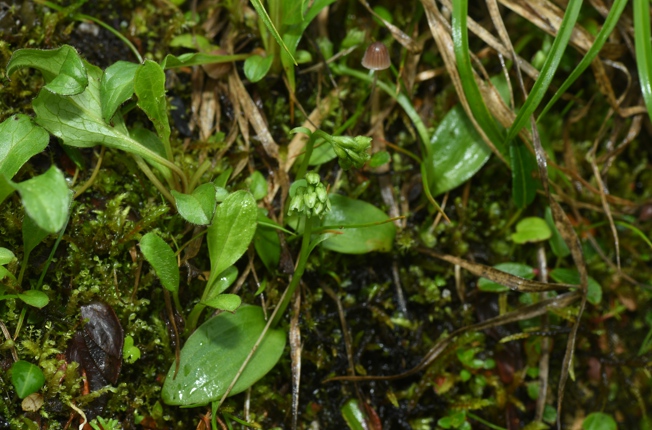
{"points": [[77, 120], [20, 140], [46, 199], [214, 353], [63, 69], [149, 86], [233, 228], [162, 258], [117, 86], [26, 378], [198, 207], [35, 298], [455, 152], [225, 302]]}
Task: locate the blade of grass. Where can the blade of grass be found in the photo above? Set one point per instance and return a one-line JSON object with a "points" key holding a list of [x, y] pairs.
{"points": [[262, 13], [548, 70], [643, 50], [608, 27], [470, 86]]}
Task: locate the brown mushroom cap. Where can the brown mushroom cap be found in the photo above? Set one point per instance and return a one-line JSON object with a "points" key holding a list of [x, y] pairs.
{"points": [[376, 57]]}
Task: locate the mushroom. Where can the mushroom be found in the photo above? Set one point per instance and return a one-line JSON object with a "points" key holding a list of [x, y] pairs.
{"points": [[376, 57]]}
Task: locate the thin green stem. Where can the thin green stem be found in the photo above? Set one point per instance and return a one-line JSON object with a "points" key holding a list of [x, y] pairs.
{"points": [[152, 177], [197, 176], [301, 266], [310, 145]]}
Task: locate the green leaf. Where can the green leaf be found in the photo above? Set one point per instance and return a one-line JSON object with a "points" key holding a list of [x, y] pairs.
{"points": [[642, 36], [62, 68], [35, 298], [6, 256], [524, 186], [610, 22], [531, 229], [225, 302], [549, 68], [223, 281], [262, 14], [267, 244], [231, 232], [192, 41], [77, 120], [257, 67], [455, 152], [130, 352], [32, 235], [197, 59], [258, 185], [346, 211], [6, 187], [378, 159], [214, 353], [20, 140], [322, 153], [471, 90], [162, 258], [572, 276], [26, 378], [149, 86], [117, 86], [198, 207], [599, 421], [46, 199], [559, 247], [354, 416], [518, 269]]}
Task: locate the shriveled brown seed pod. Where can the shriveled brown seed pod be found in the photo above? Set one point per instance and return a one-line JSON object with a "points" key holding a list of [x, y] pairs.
{"points": [[376, 57]]}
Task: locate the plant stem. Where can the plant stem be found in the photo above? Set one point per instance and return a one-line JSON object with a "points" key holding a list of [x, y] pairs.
{"points": [[296, 277], [310, 145]]}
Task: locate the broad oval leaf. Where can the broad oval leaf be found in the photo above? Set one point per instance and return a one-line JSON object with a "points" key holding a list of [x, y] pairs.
{"points": [[346, 211], [27, 378], [46, 199], [32, 235], [149, 86], [35, 298], [117, 86], [531, 229], [6, 256], [20, 140], [198, 207], [256, 67], [599, 421], [455, 152], [162, 258], [225, 302], [214, 353], [63, 69], [233, 228]]}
